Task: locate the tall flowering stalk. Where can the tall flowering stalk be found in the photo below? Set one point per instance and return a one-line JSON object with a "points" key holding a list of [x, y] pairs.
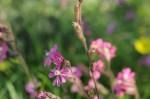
{"points": [[105, 50], [79, 31]]}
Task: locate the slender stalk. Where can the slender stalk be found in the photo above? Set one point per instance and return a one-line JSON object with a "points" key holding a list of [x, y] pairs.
{"points": [[137, 95], [19, 54], [110, 74], [79, 31], [24, 65], [102, 89], [90, 64]]}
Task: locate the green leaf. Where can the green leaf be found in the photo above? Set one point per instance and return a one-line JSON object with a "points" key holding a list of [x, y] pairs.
{"points": [[12, 91]]}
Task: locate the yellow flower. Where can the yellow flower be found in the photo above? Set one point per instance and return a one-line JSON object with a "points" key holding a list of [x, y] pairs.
{"points": [[142, 45], [4, 66]]}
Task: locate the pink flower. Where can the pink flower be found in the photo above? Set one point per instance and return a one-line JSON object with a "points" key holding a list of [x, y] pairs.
{"points": [[3, 29], [60, 74], [75, 88], [95, 97], [144, 61], [125, 82], [97, 69], [104, 49], [53, 56], [98, 66], [76, 71], [90, 85], [111, 27], [95, 74], [76, 85], [96, 44], [121, 2], [129, 15], [86, 28], [46, 95], [3, 51], [31, 87], [43, 95], [64, 3]]}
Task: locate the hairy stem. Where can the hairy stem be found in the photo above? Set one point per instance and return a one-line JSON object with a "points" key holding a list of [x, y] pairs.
{"points": [[79, 31]]}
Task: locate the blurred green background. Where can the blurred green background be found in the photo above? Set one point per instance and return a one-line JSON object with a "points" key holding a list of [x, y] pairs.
{"points": [[38, 24]]}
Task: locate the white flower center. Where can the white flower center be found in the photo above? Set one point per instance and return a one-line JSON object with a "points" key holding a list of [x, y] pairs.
{"points": [[57, 72]]}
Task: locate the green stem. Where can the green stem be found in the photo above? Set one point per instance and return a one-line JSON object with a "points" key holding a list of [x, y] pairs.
{"points": [[110, 73], [137, 95], [90, 64], [111, 77], [24, 66], [21, 58]]}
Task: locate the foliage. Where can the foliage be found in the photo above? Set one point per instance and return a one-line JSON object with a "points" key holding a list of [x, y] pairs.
{"points": [[38, 24]]}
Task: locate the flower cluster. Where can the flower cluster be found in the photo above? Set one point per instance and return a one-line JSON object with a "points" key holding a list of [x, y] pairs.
{"points": [[95, 74], [76, 75], [104, 49], [125, 82], [60, 72], [53, 56], [97, 69]]}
